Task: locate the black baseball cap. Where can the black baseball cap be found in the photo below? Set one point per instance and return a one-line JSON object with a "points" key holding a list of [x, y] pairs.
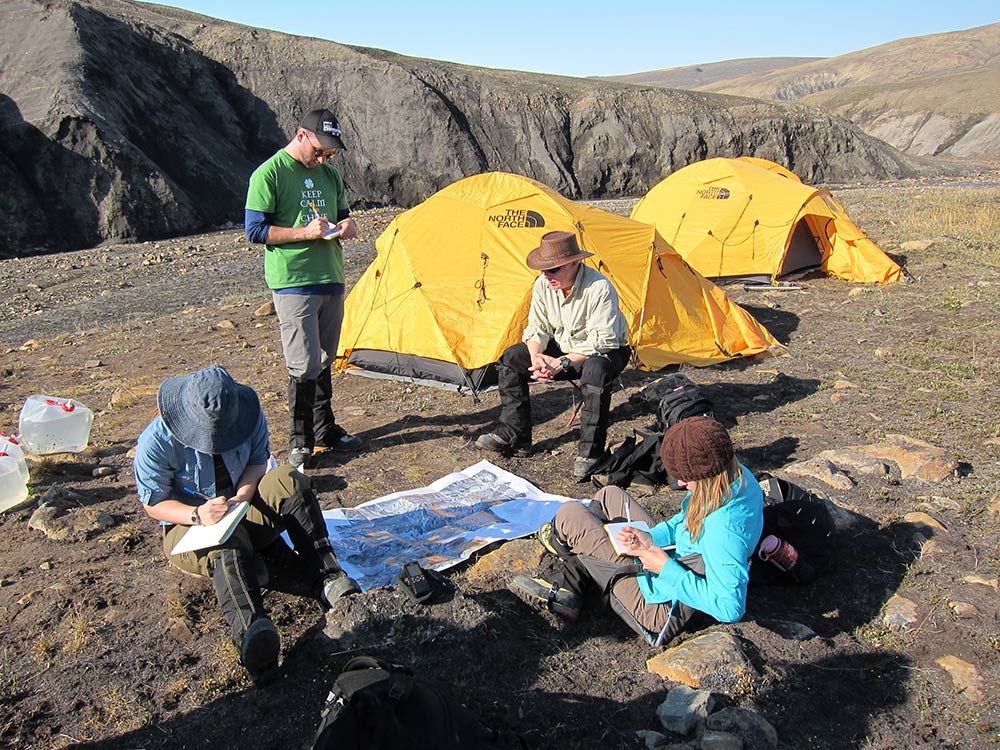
{"points": [[323, 123]]}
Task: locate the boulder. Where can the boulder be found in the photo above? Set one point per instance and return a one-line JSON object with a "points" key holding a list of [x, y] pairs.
{"points": [[899, 613], [700, 657], [915, 458], [512, 558], [823, 470]]}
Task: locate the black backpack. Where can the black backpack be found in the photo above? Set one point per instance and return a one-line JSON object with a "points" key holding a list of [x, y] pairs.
{"points": [[800, 518], [374, 705], [683, 400], [636, 461]]}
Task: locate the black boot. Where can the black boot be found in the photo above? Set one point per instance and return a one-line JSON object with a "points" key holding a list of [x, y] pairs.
{"points": [[253, 634], [325, 425], [301, 398], [307, 529]]}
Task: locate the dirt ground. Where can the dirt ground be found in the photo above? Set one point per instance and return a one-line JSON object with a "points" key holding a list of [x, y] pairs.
{"points": [[106, 646]]}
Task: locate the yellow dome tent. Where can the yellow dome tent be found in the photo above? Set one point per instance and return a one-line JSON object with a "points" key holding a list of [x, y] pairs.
{"points": [[449, 289], [749, 218]]}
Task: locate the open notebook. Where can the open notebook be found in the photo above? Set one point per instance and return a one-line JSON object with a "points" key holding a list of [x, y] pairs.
{"points": [[612, 530]]}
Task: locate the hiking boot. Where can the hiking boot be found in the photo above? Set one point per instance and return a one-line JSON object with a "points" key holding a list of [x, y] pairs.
{"points": [[549, 539], [493, 442], [299, 457], [540, 594], [343, 443], [260, 650], [338, 586], [583, 466]]}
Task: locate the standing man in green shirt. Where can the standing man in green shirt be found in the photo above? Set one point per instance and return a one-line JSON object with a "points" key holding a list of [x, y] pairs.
{"points": [[297, 208], [576, 330]]}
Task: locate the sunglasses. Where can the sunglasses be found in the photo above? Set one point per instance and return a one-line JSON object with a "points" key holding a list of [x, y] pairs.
{"points": [[319, 153], [555, 271]]}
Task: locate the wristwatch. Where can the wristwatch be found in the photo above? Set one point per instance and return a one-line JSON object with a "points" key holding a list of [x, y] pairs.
{"points": [[195, 518], [564, 363]]}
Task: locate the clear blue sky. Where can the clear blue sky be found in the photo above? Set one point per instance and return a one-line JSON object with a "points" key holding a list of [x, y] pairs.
{"points": [[587, 38]]}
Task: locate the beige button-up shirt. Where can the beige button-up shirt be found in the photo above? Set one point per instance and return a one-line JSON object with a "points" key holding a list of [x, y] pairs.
{"points": [[586, 321]]}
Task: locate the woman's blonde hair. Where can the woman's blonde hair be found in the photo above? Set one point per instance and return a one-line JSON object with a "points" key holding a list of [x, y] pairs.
{"points": [[709, 495]]}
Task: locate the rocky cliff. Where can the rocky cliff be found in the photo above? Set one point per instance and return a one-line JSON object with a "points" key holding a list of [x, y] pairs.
{"points": [[120, 120]]}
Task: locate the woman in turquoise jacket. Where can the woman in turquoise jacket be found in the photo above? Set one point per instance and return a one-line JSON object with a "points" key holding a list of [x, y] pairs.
{"points": [[698, 561]]}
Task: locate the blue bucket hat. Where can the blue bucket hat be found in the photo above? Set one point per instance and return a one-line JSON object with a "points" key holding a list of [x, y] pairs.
{"points": [[207, 410]]}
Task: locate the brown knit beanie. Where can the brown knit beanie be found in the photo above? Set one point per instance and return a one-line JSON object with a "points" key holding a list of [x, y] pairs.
{"points": [[696, 448]]}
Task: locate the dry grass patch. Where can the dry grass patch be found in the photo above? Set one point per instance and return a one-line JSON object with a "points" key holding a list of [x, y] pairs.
{"points": [[119, 711], [80, 627], [971, 216], [226, 676], [44, 649]]}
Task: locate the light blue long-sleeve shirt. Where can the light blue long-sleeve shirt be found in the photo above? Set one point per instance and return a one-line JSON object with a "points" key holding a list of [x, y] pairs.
{"points": [[728, 538], [165, 467]]}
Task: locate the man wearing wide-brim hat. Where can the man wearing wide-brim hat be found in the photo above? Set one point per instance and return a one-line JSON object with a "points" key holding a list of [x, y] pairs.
{"points": [[206, 451], [576, 331]]}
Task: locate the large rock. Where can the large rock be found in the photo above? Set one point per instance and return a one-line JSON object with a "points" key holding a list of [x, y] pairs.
{"points": [[63, 526], [153, 119], [915, 458], [900, 613], [512, 558], [823, 470], [898, 454], [700, 657]]}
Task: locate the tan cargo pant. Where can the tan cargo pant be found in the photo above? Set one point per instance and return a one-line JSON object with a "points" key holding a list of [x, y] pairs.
{"points": [[254, 532], [582, 528]]}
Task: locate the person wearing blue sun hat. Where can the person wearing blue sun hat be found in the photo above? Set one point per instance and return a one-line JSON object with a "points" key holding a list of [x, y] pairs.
{"points": [[207, 450]]}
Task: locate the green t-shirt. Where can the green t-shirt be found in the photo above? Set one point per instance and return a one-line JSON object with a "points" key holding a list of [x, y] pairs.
{"points": [[283, 189]]}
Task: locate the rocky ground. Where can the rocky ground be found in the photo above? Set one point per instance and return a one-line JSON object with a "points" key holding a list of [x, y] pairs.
{"points": [[898, 645]]}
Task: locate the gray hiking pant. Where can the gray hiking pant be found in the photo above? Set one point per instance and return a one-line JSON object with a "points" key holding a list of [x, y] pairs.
{"points": [[310, 331]]}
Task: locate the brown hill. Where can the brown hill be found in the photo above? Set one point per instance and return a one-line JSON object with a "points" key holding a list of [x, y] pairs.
{"points": [[929, 95], [702, 76], [124, 120]]}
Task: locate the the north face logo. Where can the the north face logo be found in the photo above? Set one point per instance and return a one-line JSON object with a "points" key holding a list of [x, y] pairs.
{"points": [[714, 193], [516, 218]]}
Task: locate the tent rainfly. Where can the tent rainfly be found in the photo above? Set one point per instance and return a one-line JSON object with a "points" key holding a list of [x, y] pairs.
{"points": [[750, 218], [449, 290]]}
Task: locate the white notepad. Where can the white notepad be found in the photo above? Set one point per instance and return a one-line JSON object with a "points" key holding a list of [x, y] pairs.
{"points": [[200, 537]]}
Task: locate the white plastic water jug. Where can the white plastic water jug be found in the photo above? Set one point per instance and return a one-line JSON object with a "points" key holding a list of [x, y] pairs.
{"points": [[12, 448], [13, 490], [54, 425]]}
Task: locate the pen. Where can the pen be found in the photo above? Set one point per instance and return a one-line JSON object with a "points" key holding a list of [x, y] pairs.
{"points": [[628, 512], [195, 493], [313, 207]]}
